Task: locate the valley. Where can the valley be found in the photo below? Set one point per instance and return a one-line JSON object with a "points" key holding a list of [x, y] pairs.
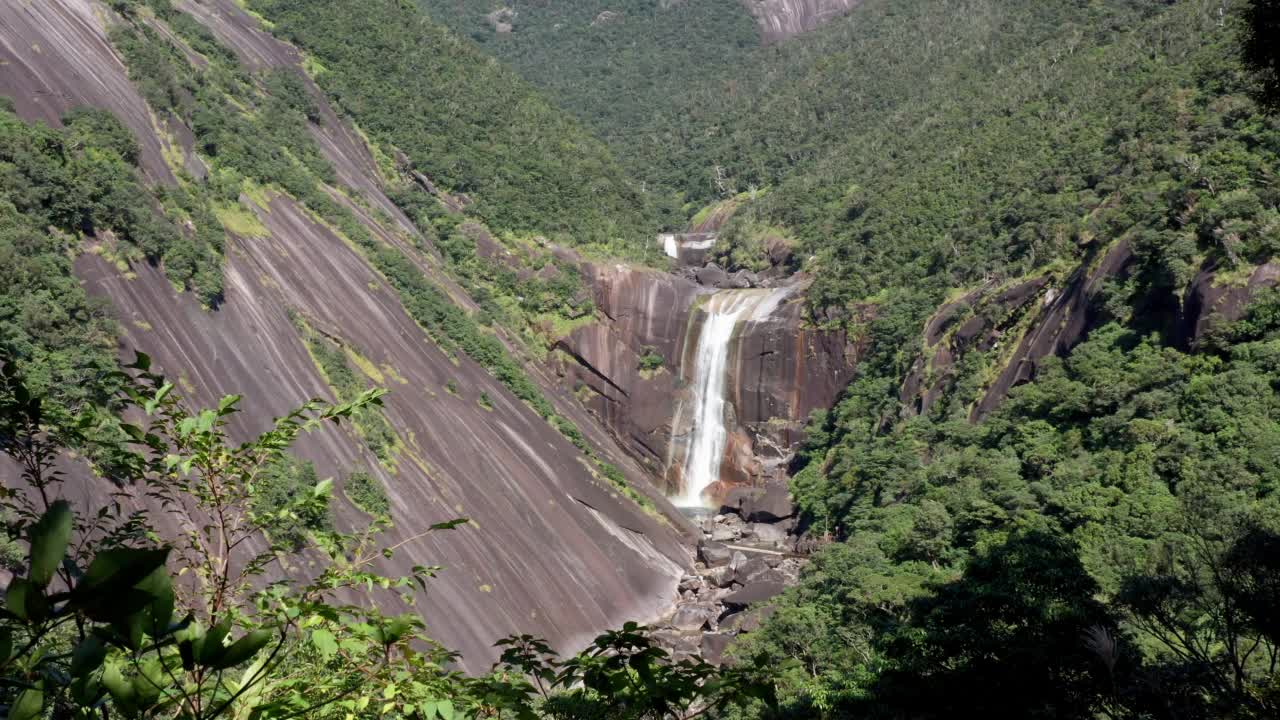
{"points": [[747, 359]]}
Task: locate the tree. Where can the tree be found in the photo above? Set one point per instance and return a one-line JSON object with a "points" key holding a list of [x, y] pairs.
{"points": [[1019, 635]]}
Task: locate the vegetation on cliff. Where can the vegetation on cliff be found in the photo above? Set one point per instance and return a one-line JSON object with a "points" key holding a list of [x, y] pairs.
{"points": [[470, 125]]}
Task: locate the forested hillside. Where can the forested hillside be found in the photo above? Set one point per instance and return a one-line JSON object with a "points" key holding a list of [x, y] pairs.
{"points": [[614, 65], [471, 126], [1111, 509], [1045, 231]]}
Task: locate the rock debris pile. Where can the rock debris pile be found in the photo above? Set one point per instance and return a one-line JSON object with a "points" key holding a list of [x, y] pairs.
{"points": [[746, 557]]}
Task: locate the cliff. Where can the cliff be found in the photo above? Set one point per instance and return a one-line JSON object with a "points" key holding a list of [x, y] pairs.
{"points": [[780, 370], [781, 19], [554, 549], [1010, 328]]}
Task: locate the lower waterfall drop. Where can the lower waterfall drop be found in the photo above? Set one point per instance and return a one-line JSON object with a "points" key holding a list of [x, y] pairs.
{"points": [[706, 419]]}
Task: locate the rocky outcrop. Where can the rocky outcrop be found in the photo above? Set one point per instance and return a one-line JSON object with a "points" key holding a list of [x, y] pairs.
{"points": [[1017, 325], [781, 19], [741, 567], [55, 56], [781, 370], [1213, 299]]}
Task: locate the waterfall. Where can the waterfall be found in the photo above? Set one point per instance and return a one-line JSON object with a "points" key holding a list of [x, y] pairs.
{"points": [[706, 415]]}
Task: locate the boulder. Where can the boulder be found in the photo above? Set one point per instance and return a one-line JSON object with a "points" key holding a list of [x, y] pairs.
{"points": [[753, 593], [778, 250], [746, 620], [751, 570], [771, 503], [770, 534], [714, 554], [721, 577], [694, 616], [738, 560], [726, 534], [712, 276], [675, 641], [714, 646], [736, 500], [692, 583]]}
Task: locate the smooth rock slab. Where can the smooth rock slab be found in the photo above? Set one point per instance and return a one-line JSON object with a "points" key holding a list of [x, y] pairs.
{"points": [[754, 593], [714, 554]]}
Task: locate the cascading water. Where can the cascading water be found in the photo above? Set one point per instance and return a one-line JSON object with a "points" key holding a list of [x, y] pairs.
{"points": [[706, 414]]}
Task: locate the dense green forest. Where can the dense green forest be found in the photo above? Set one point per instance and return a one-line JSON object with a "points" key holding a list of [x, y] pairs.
{"points": [[472, 126], [616, 65]]}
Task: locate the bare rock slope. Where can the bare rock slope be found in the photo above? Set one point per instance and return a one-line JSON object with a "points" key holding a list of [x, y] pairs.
{"points": [[553, 549]]}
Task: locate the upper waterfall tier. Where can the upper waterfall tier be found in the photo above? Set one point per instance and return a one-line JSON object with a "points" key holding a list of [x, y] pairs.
{"points": [[707, 414]]}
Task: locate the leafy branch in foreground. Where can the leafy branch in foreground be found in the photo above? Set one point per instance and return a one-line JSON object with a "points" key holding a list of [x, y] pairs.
{"points": [[98, 624], [253, 626]]}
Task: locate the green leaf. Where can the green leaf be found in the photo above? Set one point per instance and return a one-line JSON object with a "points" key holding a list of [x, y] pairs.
{"points": [[107, 591], [49, 538], [141, 361], [88, 656], [228, 404], [325, 643], [159, 612], [445, 708], [121, 690], [324, 488], [29, 705], [120, 568], [243, 649], [25, 600], [209, 648]]}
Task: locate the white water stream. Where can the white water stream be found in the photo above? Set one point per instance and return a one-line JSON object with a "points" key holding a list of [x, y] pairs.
{"points": [[706, 416]]}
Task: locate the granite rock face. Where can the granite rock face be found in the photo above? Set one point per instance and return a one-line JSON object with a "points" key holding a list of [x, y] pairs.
{"points": [[553, 550], [1017, 325], [781, 19], [780, 370]]}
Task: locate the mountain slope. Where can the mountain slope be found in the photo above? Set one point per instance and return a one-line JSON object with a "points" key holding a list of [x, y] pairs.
{"points": [[290, 201]]}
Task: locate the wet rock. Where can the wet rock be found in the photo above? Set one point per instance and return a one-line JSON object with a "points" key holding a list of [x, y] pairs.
{"points": [[753, 593], [714, 646], [715, 554]]}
